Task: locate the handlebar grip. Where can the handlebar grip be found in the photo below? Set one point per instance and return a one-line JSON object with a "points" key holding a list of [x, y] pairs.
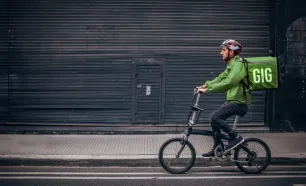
{"points": [[196, 90]]}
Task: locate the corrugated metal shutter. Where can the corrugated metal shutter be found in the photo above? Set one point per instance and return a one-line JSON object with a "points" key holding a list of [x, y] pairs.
{"points": [[73, 59], [3, 61]]}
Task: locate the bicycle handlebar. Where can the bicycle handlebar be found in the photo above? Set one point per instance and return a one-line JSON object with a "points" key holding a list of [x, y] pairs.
{"points": [[195, 91], [196, 96]]}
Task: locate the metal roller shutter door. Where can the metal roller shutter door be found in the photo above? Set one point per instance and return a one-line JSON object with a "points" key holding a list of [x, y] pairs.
{"points": [[70, 60]]}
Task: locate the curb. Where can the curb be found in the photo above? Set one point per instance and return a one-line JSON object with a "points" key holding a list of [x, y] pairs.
{"points": [[135, 132], [128, 162], [117, 129]]}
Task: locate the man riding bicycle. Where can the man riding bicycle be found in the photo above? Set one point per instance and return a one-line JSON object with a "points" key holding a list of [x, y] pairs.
{"points": [[237, 98]]}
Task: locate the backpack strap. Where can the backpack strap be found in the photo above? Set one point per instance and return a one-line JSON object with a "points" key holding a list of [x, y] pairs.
{"points": [[245, 86]]}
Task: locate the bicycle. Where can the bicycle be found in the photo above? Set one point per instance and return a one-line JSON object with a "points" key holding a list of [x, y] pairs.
{"points": [[251, 158]]}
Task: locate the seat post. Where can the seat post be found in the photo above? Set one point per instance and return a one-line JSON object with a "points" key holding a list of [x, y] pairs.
{"points": [[235, 122]]}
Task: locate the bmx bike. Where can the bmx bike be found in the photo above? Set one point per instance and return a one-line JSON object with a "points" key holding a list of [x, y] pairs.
{"points": [[247, 156]]}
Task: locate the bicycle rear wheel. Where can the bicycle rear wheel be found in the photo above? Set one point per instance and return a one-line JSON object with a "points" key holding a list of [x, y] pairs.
{"points": [[258, 161], [173, 161]]}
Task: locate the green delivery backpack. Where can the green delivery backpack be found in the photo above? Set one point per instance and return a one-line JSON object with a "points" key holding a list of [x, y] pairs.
{"points": [[262, 73]]}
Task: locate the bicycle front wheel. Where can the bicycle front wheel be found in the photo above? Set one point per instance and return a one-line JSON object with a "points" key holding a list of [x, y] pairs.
{"points": [[177, 156], [257, 161]]}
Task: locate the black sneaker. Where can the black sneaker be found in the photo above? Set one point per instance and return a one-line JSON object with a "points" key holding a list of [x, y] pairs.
{"points": [[210, 154], [233, 143]]}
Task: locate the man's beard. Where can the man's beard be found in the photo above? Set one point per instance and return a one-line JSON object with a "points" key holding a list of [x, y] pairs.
{"points": [[225, 59]]}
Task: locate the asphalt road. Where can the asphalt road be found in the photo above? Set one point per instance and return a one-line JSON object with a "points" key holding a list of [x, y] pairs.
{"points": [[147, 176]]}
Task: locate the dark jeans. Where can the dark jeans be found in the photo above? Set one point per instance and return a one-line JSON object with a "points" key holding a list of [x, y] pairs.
{"points": [[227, 110]]}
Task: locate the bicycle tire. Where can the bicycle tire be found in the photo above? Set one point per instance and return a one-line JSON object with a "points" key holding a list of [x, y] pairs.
{"points": [[267, 160], [169, 169]]}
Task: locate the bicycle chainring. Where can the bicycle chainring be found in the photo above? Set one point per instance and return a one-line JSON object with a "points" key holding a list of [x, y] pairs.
{"points": [[219, 154]]}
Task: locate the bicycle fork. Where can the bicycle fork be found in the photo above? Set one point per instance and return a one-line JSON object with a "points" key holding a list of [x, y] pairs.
{"points": [[184, 141]]}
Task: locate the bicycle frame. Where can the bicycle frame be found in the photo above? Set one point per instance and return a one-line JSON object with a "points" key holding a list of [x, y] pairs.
{"points": [[235, 155], [193, 119]]}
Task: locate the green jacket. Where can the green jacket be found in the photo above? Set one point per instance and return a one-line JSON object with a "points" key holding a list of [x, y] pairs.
{"points": [[230, 81]]}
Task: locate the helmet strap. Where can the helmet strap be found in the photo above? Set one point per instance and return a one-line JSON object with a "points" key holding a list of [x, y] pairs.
{"points": [[228, 55]]}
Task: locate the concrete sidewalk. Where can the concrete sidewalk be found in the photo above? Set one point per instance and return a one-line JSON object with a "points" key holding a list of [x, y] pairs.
{"points": [[129, 150]]}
